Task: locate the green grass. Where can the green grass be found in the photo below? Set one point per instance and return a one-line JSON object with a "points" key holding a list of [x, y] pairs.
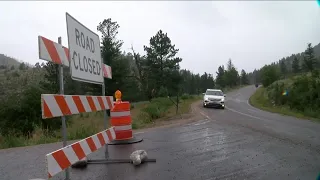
{"points": [[260, 100], [161, 109], [87, 124], [79, 126]]}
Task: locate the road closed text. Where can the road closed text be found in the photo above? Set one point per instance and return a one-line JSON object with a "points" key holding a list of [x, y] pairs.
{"points": [[84, 49], [81, 62]]}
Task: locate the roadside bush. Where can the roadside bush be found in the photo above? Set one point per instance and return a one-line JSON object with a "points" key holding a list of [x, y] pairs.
{"points": [[275, 91], [157, 108], [269, 74], [20, 107], [185, 96], [303, 94], [20, 113], [153, 111], [299, 93], [306, 93]]}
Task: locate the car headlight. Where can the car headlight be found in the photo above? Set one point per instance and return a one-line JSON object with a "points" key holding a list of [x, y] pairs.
{"points": [[222, 100], [206, 98]]}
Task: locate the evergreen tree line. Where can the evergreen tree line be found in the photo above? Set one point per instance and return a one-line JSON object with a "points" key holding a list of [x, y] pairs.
{"points": [[287, 67], [229, 77]]}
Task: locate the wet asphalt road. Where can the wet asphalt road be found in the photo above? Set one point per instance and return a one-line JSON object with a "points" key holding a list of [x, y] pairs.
{"points": [[240, 142]]}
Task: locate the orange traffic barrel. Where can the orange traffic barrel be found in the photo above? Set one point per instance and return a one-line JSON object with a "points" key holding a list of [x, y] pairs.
{"points": [[122, 123]]}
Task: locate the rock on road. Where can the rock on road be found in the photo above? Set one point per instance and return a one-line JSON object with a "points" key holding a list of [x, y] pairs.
{"points": [[240, 142]]}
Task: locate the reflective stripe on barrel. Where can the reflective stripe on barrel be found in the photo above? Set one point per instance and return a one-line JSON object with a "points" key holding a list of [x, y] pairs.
{"points": [[123, 128]]}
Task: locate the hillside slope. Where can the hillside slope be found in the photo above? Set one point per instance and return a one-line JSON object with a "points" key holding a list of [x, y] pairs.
{"points": [[6, 61], [289, 59], [254, 77]]}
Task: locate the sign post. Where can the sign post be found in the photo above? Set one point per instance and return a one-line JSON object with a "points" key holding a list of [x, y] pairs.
{"points": [[85, 58], [63, 118], [105, 119]]}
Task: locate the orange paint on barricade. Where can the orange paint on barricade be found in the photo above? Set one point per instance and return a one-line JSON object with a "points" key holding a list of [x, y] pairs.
{"points": [[122, 123]]}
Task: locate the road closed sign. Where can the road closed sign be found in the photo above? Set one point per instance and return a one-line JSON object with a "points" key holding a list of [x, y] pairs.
{"points": [[84, 51]]}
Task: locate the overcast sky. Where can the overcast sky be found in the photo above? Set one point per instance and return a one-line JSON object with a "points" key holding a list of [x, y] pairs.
{"points": [[251, 33]]}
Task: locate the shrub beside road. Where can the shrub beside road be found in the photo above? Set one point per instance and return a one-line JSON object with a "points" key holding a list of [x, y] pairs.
{"points": [[260, 100], [291, 90]]}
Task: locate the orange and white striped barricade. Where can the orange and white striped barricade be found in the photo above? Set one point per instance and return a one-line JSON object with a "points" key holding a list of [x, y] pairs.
{"points": [[63, 158], [56, 105], [122, 123], [58, 54]]}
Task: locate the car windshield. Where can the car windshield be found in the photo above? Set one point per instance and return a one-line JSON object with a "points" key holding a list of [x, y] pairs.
{"points": [[214, 93]]}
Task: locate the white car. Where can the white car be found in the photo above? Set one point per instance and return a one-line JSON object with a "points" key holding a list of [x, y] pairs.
{"points": [[214, 98]]}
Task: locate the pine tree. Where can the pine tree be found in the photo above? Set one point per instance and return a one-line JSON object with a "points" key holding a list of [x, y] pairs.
{"points": [[309, 60], [22, 66], [244, 77], [162, 61], [283, 68], [111, 55], [51, 79], [295, 65], [220, 81], [231, 75]]}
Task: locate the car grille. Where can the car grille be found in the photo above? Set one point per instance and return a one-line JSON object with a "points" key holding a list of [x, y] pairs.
{"points": [[214, 99]]}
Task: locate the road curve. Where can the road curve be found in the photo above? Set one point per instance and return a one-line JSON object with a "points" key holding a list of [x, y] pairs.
{"points": [[281, 147], [240, 142]]}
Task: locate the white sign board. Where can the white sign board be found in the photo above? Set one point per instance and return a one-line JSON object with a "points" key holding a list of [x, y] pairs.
{"points": [[84, 51]]}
